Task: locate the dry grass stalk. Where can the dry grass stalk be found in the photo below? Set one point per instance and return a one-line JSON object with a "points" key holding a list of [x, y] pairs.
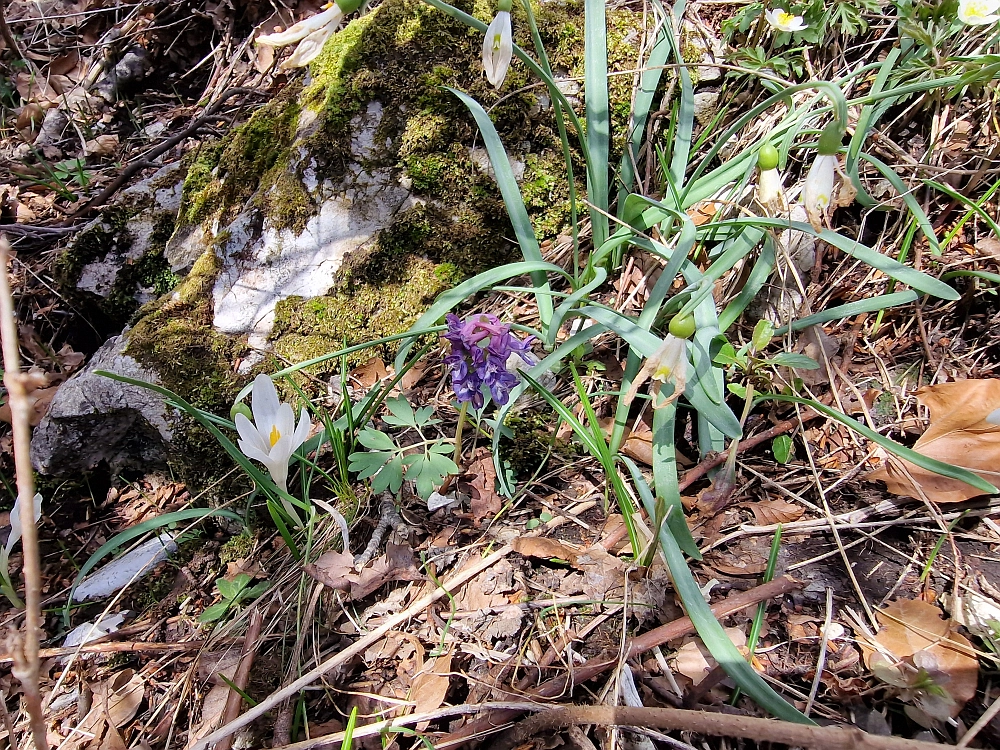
{"points": [[26, 652]]}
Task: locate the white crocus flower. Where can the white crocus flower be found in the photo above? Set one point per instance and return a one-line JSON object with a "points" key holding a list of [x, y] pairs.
{"points": [[311, 34], [783, 21], [818, 190], [978, 12], [15, 522], [498, 48], [272, 437], [667, 365]]}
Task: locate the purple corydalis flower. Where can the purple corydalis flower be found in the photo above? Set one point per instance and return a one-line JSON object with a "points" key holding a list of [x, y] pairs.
{"points": [[480, 348]]}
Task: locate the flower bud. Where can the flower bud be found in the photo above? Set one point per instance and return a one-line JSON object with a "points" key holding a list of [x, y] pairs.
{"points": [[767, 157], [240, 408], [682, 326], [830, 139]]}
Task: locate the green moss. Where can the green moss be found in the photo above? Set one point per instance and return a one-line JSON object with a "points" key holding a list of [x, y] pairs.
{"points": [[149, 273], [532, 443], [252, 160], [546, 192], [238, 548], [362, 312]]}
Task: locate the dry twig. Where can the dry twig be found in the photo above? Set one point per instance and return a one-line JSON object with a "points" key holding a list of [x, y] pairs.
{"points": [[712, 724], [26, 652]]}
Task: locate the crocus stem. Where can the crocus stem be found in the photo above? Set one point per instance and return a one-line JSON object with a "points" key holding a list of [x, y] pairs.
{"points": [[458, 432]]}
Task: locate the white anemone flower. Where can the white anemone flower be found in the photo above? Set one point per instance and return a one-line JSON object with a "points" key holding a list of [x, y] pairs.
{"points": [[311, 34], [272, 437], [15, 522], [667, 365], [978, 12], [818, 190], [783, 21], [498, 48]]}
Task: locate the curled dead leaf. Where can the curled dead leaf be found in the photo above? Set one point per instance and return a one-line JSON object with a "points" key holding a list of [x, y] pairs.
{"points": [[958, 434], [920, 654]]}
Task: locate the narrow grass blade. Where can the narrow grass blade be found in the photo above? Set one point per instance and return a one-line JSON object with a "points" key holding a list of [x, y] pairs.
{"points": [[902, 273], [871, 304], [938, 467], [911, 202], [512, 199], [709, 629], [755, 281]]}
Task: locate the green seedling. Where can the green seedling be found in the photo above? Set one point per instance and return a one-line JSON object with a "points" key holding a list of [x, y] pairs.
{"points": [[233, 593]]}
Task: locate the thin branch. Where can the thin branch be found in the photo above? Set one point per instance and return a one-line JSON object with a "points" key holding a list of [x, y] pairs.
{"points": [[242, 676], [25, 653], [590, 669], [712, 724]]}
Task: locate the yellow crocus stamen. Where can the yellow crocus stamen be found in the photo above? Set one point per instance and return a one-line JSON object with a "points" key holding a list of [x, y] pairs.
{"points": [[275, 436]]}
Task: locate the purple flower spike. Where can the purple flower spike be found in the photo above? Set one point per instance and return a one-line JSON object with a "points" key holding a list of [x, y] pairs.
{"points": [[480, 348]]}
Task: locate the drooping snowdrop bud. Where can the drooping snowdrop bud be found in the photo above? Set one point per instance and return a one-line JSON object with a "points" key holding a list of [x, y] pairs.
{"points": [[498, 45], [15, 521], [311, 33], [818, 191], [769, 192], [668, 364]]}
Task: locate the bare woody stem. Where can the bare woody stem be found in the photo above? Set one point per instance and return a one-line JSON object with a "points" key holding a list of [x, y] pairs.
{"points": [[25, 662]]}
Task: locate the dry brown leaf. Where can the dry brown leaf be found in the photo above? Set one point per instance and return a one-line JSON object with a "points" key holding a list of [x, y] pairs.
{"points": [[694, 661], [102, 145], [479, 483], [958, 434], [769, 512], [430, 686], [921, 654], [370, 372], [336, 570], [546, 549]]}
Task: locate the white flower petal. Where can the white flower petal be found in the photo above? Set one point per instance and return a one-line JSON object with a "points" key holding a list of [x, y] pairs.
{"points": [[264, 402], [818, 191], [15, 520], [978, 12], [250, 434], [303, 28], [251, 451], [284, 420], [498, 49], [783, 21], [302, 430], [309, 48]]}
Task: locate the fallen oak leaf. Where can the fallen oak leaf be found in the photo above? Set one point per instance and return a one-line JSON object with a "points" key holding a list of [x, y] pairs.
{"points": [[959, 433], [922, 655]]}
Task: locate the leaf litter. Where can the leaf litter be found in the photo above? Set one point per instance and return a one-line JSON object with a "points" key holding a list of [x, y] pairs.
{"points": [[554, 604]]}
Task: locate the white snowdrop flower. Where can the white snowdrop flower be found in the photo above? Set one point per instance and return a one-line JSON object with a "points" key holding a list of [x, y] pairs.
{"points": [[978, 12], [667, 365], [273, 436], [783, 21], [769, 191], [498, 48], [311, 34], [818, 191], [15, 521]]}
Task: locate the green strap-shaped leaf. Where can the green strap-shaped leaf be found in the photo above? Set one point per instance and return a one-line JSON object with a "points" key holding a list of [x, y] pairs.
{"points": [[512, 199], [709, 629]]}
